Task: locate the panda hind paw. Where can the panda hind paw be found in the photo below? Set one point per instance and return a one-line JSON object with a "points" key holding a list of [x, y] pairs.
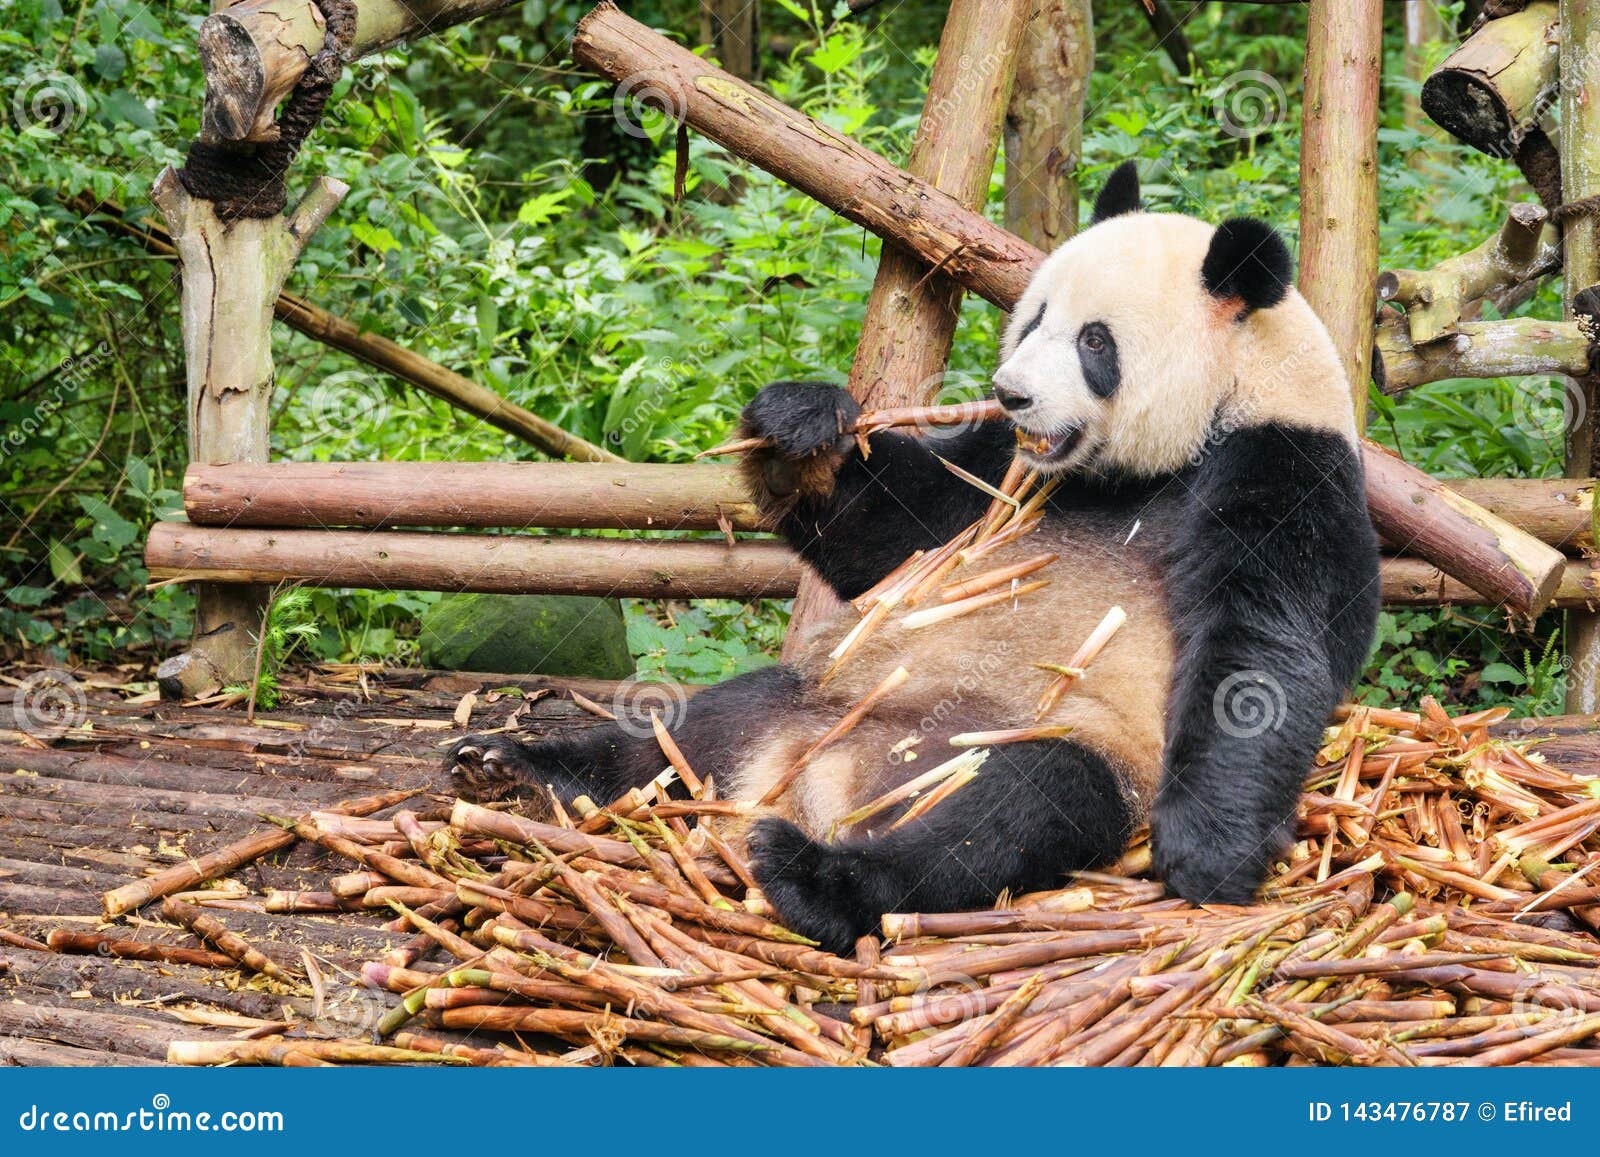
{"points": [[810, 885], [487, 768]]}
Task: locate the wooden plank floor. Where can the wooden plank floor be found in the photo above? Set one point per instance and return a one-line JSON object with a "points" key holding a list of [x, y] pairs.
{"points": [[135, 787]]}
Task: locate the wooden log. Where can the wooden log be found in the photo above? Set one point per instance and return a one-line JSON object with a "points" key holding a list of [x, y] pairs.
{"points": [[1558, 511], [1580, 178], [1513, 348], [1493, 89], [1044, 122], [904, 345], [865, 189], [1413, 582], [1339, 178], [822, 163], [523, 564], [1523, 248], [232, 274], [253, 52], [478, 494]]}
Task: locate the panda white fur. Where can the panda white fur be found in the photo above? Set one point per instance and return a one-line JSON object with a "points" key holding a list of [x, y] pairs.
{"points": [[1197, 415]]}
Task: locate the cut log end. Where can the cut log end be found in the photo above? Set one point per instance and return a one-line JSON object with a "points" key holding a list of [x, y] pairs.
{"points": [[236, 80]]}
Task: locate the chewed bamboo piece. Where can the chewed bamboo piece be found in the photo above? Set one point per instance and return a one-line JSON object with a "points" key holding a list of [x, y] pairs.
{"points": [[935, 615], [1008, 735], [1068, 675], [876, 421], [965, 763]]}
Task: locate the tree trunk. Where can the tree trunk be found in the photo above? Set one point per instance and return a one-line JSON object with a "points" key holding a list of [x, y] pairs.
{"points": [[1339, 178], [1044, 124], [904, 347], [1580, 177], [504, 564], [1424, 30], [232, 274]]}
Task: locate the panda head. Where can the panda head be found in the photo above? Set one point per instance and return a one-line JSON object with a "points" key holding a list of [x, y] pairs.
{"points": [[1127, 345]]}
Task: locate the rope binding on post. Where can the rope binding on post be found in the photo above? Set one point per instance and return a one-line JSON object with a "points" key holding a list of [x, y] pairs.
{"points": [[247, 179]]}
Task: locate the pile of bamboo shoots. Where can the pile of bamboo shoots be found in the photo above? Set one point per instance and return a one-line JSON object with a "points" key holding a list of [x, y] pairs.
{"points": [[1439, 909]]}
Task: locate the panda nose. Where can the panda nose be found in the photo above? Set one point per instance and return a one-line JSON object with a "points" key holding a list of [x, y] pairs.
{"points": [[1012, 400]]}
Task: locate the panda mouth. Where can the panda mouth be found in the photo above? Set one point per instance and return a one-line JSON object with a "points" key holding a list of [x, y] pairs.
{"points": [[1049, 448]]}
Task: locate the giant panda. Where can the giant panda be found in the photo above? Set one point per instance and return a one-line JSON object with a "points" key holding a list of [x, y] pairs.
{"points": [[1194, 409]]}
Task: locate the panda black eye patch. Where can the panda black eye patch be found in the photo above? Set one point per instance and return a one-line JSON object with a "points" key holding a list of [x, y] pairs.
{"points": [[1031, 326], [1097, 354]]}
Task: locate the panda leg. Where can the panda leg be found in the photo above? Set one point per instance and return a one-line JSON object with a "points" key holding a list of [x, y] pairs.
{"points": [[718, 727], [1035, 811]]}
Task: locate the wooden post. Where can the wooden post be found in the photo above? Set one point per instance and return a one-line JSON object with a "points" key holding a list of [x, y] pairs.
{"points": [[1580, 177], [1044, 123], [1339, 179], [911, 314], [254, 51], [232, 274]]}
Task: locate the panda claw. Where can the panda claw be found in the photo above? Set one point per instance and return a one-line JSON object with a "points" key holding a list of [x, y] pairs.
{"points": [[486, 768], [809, 884]]}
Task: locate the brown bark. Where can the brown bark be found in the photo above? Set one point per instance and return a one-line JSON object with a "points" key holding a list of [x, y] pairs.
{"points": [[1413, 582], [1339, 178], [479, 494], [1044, 123], [910, 321], [522, 564]]}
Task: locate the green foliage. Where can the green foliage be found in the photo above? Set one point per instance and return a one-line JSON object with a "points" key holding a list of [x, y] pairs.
{"points": [[291, 623], [514, 220]]}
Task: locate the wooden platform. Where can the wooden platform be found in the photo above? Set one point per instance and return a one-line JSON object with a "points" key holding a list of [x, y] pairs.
{"points": [[136, 785], [140, 785]]}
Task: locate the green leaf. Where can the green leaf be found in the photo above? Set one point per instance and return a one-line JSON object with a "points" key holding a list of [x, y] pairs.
{"points": [[544, 208], [110, 527], [374, 236], [1503, 673], [64, 564]]}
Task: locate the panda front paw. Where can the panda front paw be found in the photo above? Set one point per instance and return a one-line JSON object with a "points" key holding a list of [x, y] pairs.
{"points": [[811, 885], [1205, 866], [801, 418], [486, 768]]}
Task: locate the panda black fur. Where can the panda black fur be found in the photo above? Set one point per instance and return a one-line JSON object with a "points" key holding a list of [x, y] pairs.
{"points": [[1197, 416]]}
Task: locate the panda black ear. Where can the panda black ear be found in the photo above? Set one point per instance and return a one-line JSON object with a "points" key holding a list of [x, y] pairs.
{"points": [[1249, 261], [1119, 195]]}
